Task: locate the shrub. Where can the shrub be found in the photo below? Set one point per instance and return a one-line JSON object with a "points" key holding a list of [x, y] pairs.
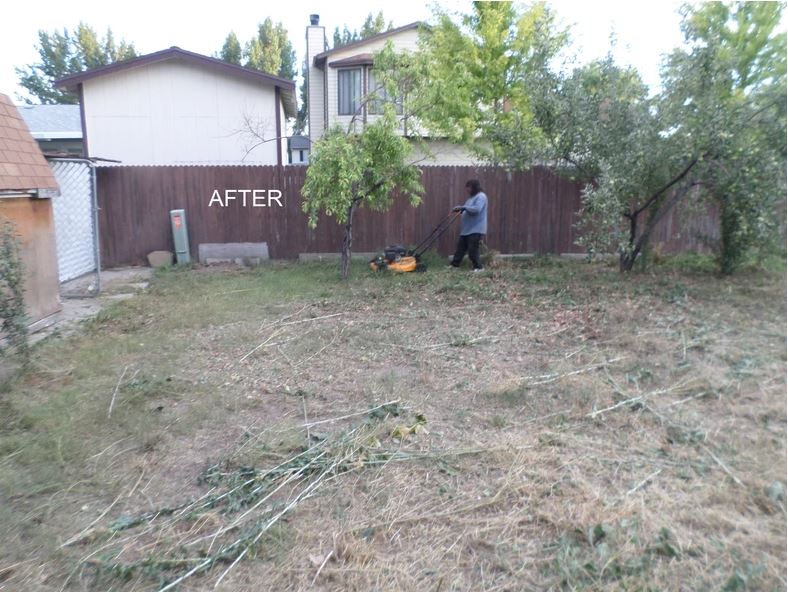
{"points": [[13, 320]]}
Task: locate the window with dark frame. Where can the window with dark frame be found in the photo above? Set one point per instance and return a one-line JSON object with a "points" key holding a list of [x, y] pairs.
{"points": [[349, 91]]}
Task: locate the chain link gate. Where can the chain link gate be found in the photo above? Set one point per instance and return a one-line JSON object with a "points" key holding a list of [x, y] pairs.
{"points": [[75, 217]]}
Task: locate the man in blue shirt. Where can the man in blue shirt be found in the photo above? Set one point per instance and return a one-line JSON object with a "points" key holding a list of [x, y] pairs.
{"points": [[474, 225]]}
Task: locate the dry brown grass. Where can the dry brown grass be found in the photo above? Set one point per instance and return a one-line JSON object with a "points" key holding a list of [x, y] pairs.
{"points": [[584, 431]]}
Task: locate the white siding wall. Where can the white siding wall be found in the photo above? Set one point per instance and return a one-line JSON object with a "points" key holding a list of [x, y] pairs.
{"points": [[444, 153], [173, 112], [404, 41]]}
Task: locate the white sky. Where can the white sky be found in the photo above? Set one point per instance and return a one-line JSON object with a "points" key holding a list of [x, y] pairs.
{"points": [[644, 30]]}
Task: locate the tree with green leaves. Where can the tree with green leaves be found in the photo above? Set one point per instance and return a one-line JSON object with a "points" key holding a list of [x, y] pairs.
{"points": [[604, 130], [270, 51], [727, 87], [472, 79], [349, 170], [716, 131], [373, 25], [344, 37], [715, 134], [68, 52], [231, 51]]}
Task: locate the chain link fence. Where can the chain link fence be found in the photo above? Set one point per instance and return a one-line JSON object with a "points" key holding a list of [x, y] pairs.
{"points": [[75, 226]]}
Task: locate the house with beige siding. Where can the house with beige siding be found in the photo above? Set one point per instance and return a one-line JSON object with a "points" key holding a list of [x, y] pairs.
{"points": [[179, 107], [339, 78]]}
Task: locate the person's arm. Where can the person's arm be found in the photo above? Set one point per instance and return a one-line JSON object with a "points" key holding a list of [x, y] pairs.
{"points": [[476, 205]]}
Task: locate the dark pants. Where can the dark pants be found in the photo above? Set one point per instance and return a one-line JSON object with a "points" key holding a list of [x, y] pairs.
{"points": [[468, 243]]}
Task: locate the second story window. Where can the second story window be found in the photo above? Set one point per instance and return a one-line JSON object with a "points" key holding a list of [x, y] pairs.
{"points": [[349, 91], [377, 90]]}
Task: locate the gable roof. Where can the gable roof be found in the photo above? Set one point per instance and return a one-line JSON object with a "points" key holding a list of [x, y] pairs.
{"points": [[52, 121], [287, 87], [414, 25], [22, 166]]}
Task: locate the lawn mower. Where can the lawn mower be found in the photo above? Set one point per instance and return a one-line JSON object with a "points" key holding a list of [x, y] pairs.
{"points": [[399, 259]]}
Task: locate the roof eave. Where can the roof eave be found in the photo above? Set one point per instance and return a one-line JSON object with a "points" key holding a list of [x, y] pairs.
{"points": [[414, 25], [72, 82]]}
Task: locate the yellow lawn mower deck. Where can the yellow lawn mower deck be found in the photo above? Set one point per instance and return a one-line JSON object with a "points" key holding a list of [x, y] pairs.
{"points": [[399, 259]]}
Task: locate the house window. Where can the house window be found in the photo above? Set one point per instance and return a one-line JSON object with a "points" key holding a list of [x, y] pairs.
{"points": [[349, 90], [377, 90]]}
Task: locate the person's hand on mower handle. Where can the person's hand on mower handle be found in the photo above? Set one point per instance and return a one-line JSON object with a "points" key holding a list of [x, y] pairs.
{"points": [[458, 209]]}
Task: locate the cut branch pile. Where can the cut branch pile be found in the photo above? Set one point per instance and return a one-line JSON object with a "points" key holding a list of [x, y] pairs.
{"points": [[231, 520]]}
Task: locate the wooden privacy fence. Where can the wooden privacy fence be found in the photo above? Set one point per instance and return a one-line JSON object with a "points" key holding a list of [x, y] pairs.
{"points": [[529, 212]]}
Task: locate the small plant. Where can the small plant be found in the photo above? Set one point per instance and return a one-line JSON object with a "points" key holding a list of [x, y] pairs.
{"points": [[13, 319]]}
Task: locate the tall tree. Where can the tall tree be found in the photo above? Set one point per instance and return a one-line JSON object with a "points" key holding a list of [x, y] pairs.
{"points": [[64, 53], [728, 88], [344, 37], [604, 130], [716, 133], [271, 51], [472, 79], [373, 25], [231, 50]]}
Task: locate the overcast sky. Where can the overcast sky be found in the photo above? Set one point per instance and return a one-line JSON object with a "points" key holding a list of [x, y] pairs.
{"points": [[644, 30]]}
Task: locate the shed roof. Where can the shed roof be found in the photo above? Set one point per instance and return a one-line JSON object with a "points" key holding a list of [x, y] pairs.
{"points": [[22, 166]]}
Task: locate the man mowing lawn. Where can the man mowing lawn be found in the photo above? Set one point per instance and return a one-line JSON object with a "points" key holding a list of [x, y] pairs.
{"points": [[474, 225]]}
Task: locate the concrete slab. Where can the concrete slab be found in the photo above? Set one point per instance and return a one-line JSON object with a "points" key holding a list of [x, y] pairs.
{"points": [[229, 252], [160, 258]]}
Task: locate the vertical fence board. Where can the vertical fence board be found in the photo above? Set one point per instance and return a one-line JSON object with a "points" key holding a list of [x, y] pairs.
{"points": [[529, 211]]}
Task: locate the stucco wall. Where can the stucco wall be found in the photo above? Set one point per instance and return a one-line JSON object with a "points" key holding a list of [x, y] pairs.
{"points": [[173, 112], [36, 230]]}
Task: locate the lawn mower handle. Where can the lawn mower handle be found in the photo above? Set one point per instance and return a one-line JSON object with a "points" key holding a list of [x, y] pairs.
{"points": [[436, 233]]}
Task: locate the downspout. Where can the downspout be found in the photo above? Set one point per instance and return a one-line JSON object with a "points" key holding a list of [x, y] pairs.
{"points": [[278, 107], [83, 122]]}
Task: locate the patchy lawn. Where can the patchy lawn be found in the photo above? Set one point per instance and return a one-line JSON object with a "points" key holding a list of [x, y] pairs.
{"points": [[545, 425]]}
